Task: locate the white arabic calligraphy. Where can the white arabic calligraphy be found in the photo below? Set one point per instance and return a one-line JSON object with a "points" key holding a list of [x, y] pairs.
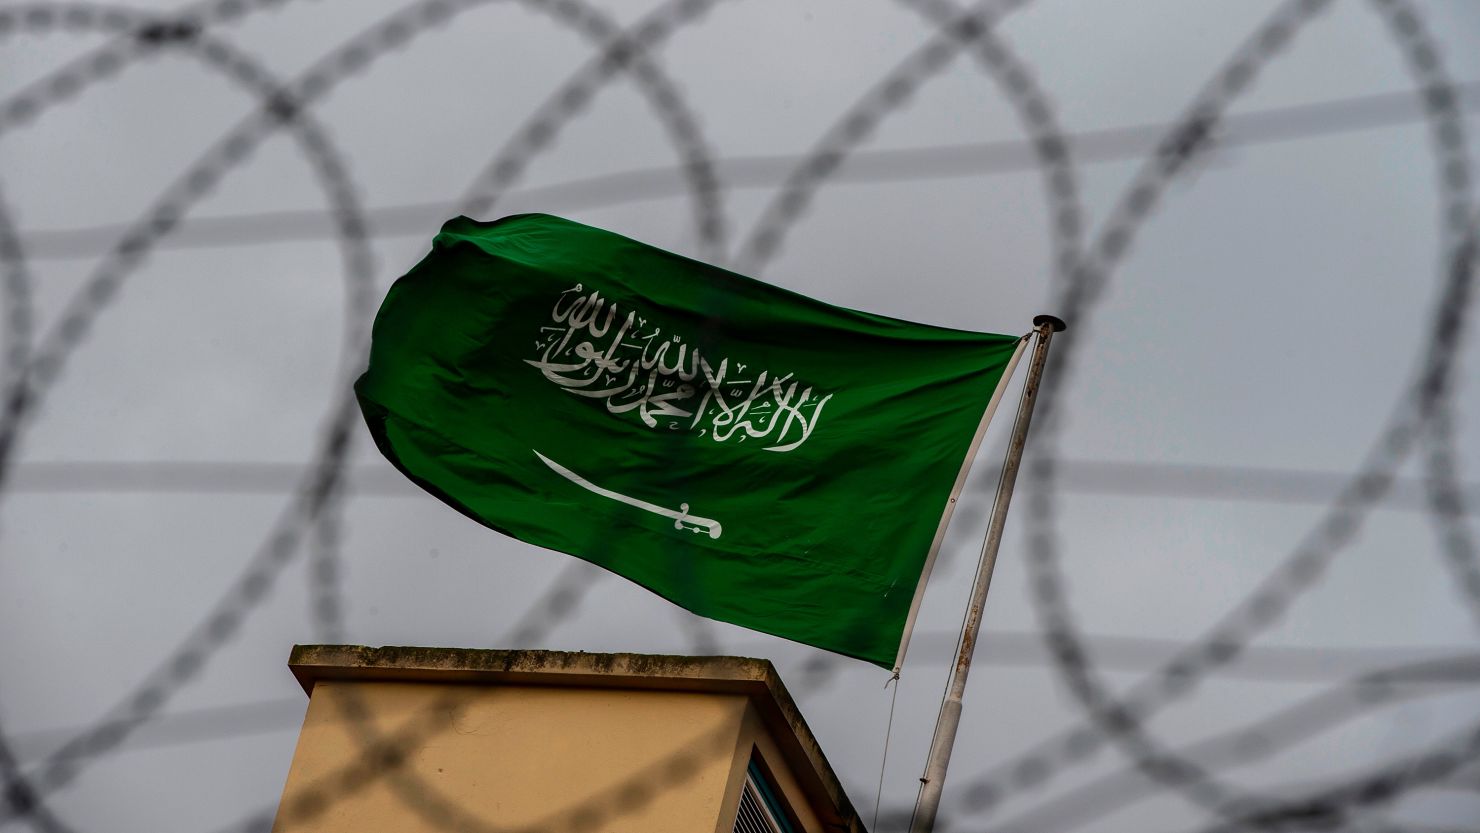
{"points": [[667, 381]]}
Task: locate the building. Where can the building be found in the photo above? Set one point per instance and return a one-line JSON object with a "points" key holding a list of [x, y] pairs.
{"points": [[434, 739]]}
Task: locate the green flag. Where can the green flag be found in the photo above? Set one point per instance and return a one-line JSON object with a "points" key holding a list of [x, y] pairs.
{"points": [[751, 454]]}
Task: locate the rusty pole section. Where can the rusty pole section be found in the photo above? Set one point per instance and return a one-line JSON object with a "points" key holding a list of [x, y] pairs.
{"points": [[927, 804]]}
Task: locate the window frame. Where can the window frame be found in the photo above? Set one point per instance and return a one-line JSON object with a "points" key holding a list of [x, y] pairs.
{"points": [[756, 779]]}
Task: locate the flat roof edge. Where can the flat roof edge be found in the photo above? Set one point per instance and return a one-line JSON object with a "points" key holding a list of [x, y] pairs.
{"points": [[749, 676], [312, 663]]}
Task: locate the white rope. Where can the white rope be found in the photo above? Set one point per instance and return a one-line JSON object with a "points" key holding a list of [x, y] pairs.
{"points": [[888, 730]]}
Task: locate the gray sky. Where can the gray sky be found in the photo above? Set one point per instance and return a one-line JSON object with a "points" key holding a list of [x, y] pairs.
{"points": [[1271, 314]]}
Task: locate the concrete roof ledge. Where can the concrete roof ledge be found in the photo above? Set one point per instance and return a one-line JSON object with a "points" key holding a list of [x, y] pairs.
{"points": [[311, 663]]}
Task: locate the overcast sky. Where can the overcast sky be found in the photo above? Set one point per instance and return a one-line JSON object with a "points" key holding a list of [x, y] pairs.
{"points": [[1268, 321]]}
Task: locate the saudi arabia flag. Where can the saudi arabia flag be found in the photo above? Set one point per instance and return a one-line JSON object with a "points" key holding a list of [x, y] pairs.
{"points": [[751, 454]]}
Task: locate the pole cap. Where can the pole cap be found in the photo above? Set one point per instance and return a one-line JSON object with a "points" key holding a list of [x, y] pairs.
{"points": [[1052, 320]]}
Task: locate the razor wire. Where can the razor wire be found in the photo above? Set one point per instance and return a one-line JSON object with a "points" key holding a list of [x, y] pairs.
{"points": [[22, 794], [281, 105], [543, 133], [1034, 768], [623, 53], [1191, 141], [620, 49], [1122, 723], [972, 31], [1181, 145], [1326, 710]]}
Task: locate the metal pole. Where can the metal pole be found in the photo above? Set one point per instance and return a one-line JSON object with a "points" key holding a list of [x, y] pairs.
{"points": [[934, 779]]}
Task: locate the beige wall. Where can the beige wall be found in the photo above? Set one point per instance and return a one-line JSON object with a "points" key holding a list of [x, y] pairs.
{"points": [[510, 758]]}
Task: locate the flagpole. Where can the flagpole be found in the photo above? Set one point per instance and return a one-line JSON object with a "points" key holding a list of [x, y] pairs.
{"points": [[927, 804]]}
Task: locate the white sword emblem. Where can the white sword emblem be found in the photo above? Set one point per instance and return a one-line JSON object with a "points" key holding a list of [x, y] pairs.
{"points": [[681, 517]]}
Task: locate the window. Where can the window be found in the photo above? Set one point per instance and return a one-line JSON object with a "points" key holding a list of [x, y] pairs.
{"points": [[760, 809]]}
